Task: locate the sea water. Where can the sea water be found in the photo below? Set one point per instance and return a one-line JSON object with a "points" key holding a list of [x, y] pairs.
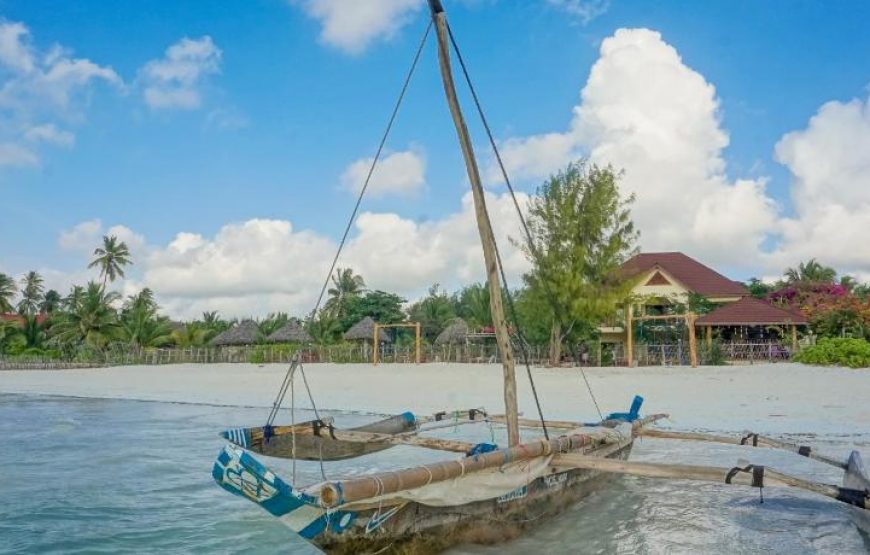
{"points": [[114, 476]]}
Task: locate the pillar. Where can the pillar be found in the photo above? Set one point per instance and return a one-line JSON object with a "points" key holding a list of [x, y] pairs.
{"points": [[629, 337]]}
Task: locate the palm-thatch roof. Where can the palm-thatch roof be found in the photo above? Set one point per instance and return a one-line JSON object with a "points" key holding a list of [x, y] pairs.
{"points": [[455, 332], [245, 333], [365, 329], [291, 333]]}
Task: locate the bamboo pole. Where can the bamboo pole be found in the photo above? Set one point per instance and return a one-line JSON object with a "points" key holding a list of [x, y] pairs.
{"points": [[629, 336], [750, 439], [417, 343], [693, 342], [375, 345], [793, 339], [746, 477], [484, 226]]}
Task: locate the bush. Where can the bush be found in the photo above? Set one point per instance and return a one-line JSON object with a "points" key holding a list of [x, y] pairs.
{"points": [[839, 351]]}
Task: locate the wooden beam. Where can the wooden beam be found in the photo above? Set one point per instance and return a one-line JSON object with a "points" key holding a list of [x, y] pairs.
{"points": [[629, 336], [794, 343], [709, 336], [750, 439], [417, 343], [375, 346], [484, 227], [693, 342], [719, 475]]}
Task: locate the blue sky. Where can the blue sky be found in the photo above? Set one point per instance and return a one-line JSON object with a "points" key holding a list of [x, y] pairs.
{"points": [[279, 99]]}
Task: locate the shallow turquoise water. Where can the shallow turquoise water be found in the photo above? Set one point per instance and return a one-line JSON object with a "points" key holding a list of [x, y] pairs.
{"points": [[114, 476]]}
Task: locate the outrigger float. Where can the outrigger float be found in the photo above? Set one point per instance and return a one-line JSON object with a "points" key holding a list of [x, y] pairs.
{"points": [[486, 493]]}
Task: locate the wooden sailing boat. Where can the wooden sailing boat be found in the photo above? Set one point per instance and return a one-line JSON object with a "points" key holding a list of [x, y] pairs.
{"points": [[488, 494]]}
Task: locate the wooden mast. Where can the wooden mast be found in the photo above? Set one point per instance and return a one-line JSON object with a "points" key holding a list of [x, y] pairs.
{"points": [[483, 226]]}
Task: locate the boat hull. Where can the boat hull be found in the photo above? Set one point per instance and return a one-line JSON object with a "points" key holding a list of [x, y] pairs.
{"points": [[314, 440], [417, 528]]}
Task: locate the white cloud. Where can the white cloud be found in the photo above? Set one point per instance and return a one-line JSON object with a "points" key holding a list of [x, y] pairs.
{"points": [[830, 164], [176, 79], [15, 155], [353, 26], [36, 86], [50, 133], [643, 110], [88, 235], [584, 10], [400, 172]]}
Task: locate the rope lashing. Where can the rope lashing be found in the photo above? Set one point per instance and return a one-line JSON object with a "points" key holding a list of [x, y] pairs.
{"points": [[757, 472]]}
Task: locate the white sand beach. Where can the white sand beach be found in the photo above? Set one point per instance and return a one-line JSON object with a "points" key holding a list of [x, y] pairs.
{"points": [[769, 398]]}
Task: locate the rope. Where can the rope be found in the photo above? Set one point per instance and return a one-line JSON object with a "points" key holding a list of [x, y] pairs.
{"points": [[283, 390], [528, 234]]}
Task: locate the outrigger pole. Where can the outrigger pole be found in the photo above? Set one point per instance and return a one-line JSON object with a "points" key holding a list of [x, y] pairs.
{"points": [[484, 226]]}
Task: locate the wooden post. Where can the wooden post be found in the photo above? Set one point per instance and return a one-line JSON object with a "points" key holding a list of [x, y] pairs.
{"points": [[793, 339], [417, 342], [375, 346], [693, 343], [483, 225], [629, 336], [709, 338]]}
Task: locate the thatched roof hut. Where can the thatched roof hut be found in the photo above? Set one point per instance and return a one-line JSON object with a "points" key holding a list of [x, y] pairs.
{"points": [[365, 329], [293, 332], [455, 332], [245, 333]]}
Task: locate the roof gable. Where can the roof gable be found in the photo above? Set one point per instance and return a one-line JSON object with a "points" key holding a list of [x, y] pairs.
{"points": [[657, 279], [696, 277]]}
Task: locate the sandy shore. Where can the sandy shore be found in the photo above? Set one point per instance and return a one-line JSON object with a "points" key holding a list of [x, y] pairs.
{"points": [[768, 398]]}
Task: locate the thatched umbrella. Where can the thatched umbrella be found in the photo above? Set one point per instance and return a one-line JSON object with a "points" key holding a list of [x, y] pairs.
{"points": [[455, 332], [245, 333], [291, 333], [365, 329]]}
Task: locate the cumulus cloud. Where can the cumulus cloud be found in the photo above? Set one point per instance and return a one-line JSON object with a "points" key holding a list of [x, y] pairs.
{"points": [[830, 164], [88, 235], [353, 26], [643, 110], [36, 86], [176, 80], [400, 172]]}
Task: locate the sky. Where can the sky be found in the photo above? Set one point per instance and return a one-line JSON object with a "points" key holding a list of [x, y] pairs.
{"points": [[225, 142]]}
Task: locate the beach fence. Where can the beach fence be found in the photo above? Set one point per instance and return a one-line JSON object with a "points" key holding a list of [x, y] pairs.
{"points": [[677, 354]]}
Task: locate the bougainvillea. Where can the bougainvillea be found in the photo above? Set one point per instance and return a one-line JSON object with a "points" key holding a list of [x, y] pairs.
{"points": [[832, 310]]}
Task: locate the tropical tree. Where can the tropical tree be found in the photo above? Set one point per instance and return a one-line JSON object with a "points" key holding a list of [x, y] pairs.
{"points": [[758, 288], [433, 312], [111, 258], [51, 302], [472, 305], [74, 298], [383, 307], [272, 323], [324, 328], [7, 292], [33, 332], [91, 320], [31, 293], [581, 233], [192, 334], [810, 272], [10, 335], [345, 285]]}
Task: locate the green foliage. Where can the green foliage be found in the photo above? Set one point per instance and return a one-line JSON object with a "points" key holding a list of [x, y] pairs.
{"points": [[262, 353], [434, 312], [810, 272], [697, 303], [272, 323], [7, 292], [581, 232], [758, 288], [324, 328], [837, 351], [383, 307], [192, 334], [31, 293], [89, 320], [51, 302], [111, 258], [472, 305], [345, 286]]}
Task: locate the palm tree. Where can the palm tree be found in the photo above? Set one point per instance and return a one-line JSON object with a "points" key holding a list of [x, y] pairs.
{"points": [[10, 333], [91, 320], [191, 335], [50, 302], [33, 331], [272, 323], [7, 291], [31, 293], [74, 299], [810, 272], [111, 258], [346, 284]]}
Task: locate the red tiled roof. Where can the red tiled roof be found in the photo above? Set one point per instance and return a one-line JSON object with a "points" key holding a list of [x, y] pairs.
{"points": [[750, 311], [691, 273]]}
